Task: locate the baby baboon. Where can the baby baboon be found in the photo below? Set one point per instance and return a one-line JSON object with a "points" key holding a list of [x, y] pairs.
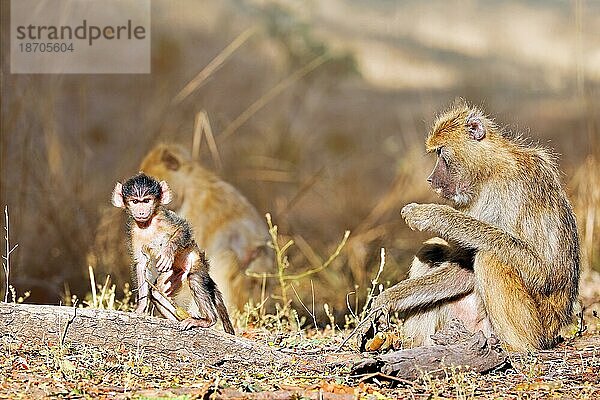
{"points": [[508, 263], [226, 225], [162, 244]]}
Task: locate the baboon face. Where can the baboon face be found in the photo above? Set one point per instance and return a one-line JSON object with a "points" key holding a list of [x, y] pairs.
{"points": [[449, 178], [140, 196], [441, 179], [455, 133], [141, 208]]}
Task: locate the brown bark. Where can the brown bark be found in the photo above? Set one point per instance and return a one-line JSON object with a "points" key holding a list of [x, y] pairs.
{"points": [[453, 347], [159, 340]]}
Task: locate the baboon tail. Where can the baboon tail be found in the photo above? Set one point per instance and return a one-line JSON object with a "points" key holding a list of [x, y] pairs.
{"points": [[222, 311]]}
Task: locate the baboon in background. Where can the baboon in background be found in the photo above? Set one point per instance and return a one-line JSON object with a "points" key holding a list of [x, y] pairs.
{"points": [[163, 250], [508, 263], [108, 254], [226, 226]]}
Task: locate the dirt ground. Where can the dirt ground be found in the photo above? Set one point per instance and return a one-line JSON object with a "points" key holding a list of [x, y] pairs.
{"points": [[571, 370]]}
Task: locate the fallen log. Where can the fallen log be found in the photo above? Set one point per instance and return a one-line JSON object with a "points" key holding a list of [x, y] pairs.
{"points": [[161, 343], [159, 340], [453, 347]]}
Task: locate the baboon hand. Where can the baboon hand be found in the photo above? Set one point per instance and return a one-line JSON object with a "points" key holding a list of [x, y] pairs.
{"points": [[420, 217], [417, 216], [375, 321], [165, 259]]}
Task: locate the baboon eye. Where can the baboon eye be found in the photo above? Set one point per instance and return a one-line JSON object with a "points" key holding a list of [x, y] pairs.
{"points": [[146, 200], [135, 201]]}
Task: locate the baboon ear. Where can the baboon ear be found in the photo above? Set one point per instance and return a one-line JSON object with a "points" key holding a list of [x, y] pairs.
{"points": [[167, 195], [475, 127], [117, 196], [170, 160]]}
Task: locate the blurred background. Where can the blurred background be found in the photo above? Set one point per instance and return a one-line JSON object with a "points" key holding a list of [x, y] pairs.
{"points": [[319, 110]]}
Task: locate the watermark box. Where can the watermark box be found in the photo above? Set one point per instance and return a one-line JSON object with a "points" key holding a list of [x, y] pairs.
{"points": [[80, 36]]}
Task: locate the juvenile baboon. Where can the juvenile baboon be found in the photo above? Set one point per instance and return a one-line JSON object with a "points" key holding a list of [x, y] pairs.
{"points": [[226, 225], [508, 263], [163, 250]]}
